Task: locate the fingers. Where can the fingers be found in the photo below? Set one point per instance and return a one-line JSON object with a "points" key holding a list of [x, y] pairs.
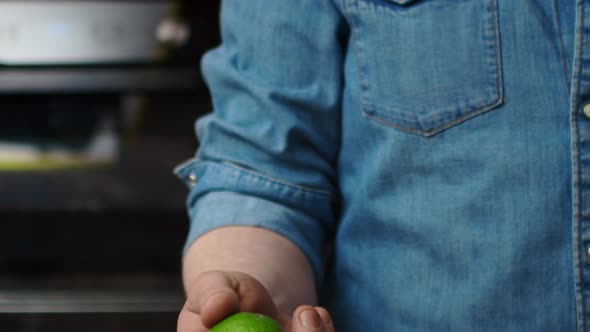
{"points": [[189, 321], [311, 319], [326, 319], [215, 295], [212, 297]]}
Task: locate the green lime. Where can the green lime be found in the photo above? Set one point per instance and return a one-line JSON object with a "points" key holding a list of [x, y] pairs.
{"points": [[247, 322]]}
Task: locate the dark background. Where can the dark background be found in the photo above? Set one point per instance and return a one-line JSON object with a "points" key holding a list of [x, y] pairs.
{"points": [[99, 248]]}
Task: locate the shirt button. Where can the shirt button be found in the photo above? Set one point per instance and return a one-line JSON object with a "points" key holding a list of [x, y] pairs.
{"points": [[588, 252], [192, 178], [587, 110]]}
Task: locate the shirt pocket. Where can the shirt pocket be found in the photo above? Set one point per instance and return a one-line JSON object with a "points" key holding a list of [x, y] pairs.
{"points": [[426, 65]]}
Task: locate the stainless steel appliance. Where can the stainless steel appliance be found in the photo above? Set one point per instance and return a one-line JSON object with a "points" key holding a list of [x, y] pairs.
{"points": [[107, 46]]}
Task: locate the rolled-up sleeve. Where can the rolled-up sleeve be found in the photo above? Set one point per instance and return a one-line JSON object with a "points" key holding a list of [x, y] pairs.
{"points": [[268, 150]]}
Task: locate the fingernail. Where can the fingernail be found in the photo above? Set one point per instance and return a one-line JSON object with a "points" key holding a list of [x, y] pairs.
{"points": [[324, 315], [309, 318]]}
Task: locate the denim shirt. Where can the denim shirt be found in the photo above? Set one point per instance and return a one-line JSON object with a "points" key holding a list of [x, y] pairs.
{"points": [[430, 157]]}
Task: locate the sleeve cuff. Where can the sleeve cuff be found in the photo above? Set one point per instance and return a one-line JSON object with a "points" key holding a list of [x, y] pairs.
{"points": [[228, 195]]}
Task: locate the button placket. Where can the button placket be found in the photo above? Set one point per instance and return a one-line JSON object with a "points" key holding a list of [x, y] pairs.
{"points": [[580, 120]]}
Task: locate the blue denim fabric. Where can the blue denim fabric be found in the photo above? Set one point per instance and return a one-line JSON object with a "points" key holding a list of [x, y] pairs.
{"points": [[430, 157]]}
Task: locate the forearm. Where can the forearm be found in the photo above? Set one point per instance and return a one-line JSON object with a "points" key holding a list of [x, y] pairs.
{"points": [[270, 258]]}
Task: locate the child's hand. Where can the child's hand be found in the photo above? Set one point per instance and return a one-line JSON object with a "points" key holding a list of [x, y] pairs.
{"points": [[216, 295]]}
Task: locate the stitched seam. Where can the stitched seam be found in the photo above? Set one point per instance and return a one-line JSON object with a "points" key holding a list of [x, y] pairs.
{"points": [[442, 114], [576, 172], [361, 66], [445, 124], [276, 181], [564, 60], [388, 4], [499, 63]]}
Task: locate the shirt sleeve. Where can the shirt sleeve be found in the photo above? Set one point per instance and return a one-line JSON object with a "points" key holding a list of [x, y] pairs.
{"points": [[268, 150]]}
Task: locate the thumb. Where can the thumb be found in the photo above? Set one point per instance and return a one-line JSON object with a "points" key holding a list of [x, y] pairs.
{"points": [[216, 295]]}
